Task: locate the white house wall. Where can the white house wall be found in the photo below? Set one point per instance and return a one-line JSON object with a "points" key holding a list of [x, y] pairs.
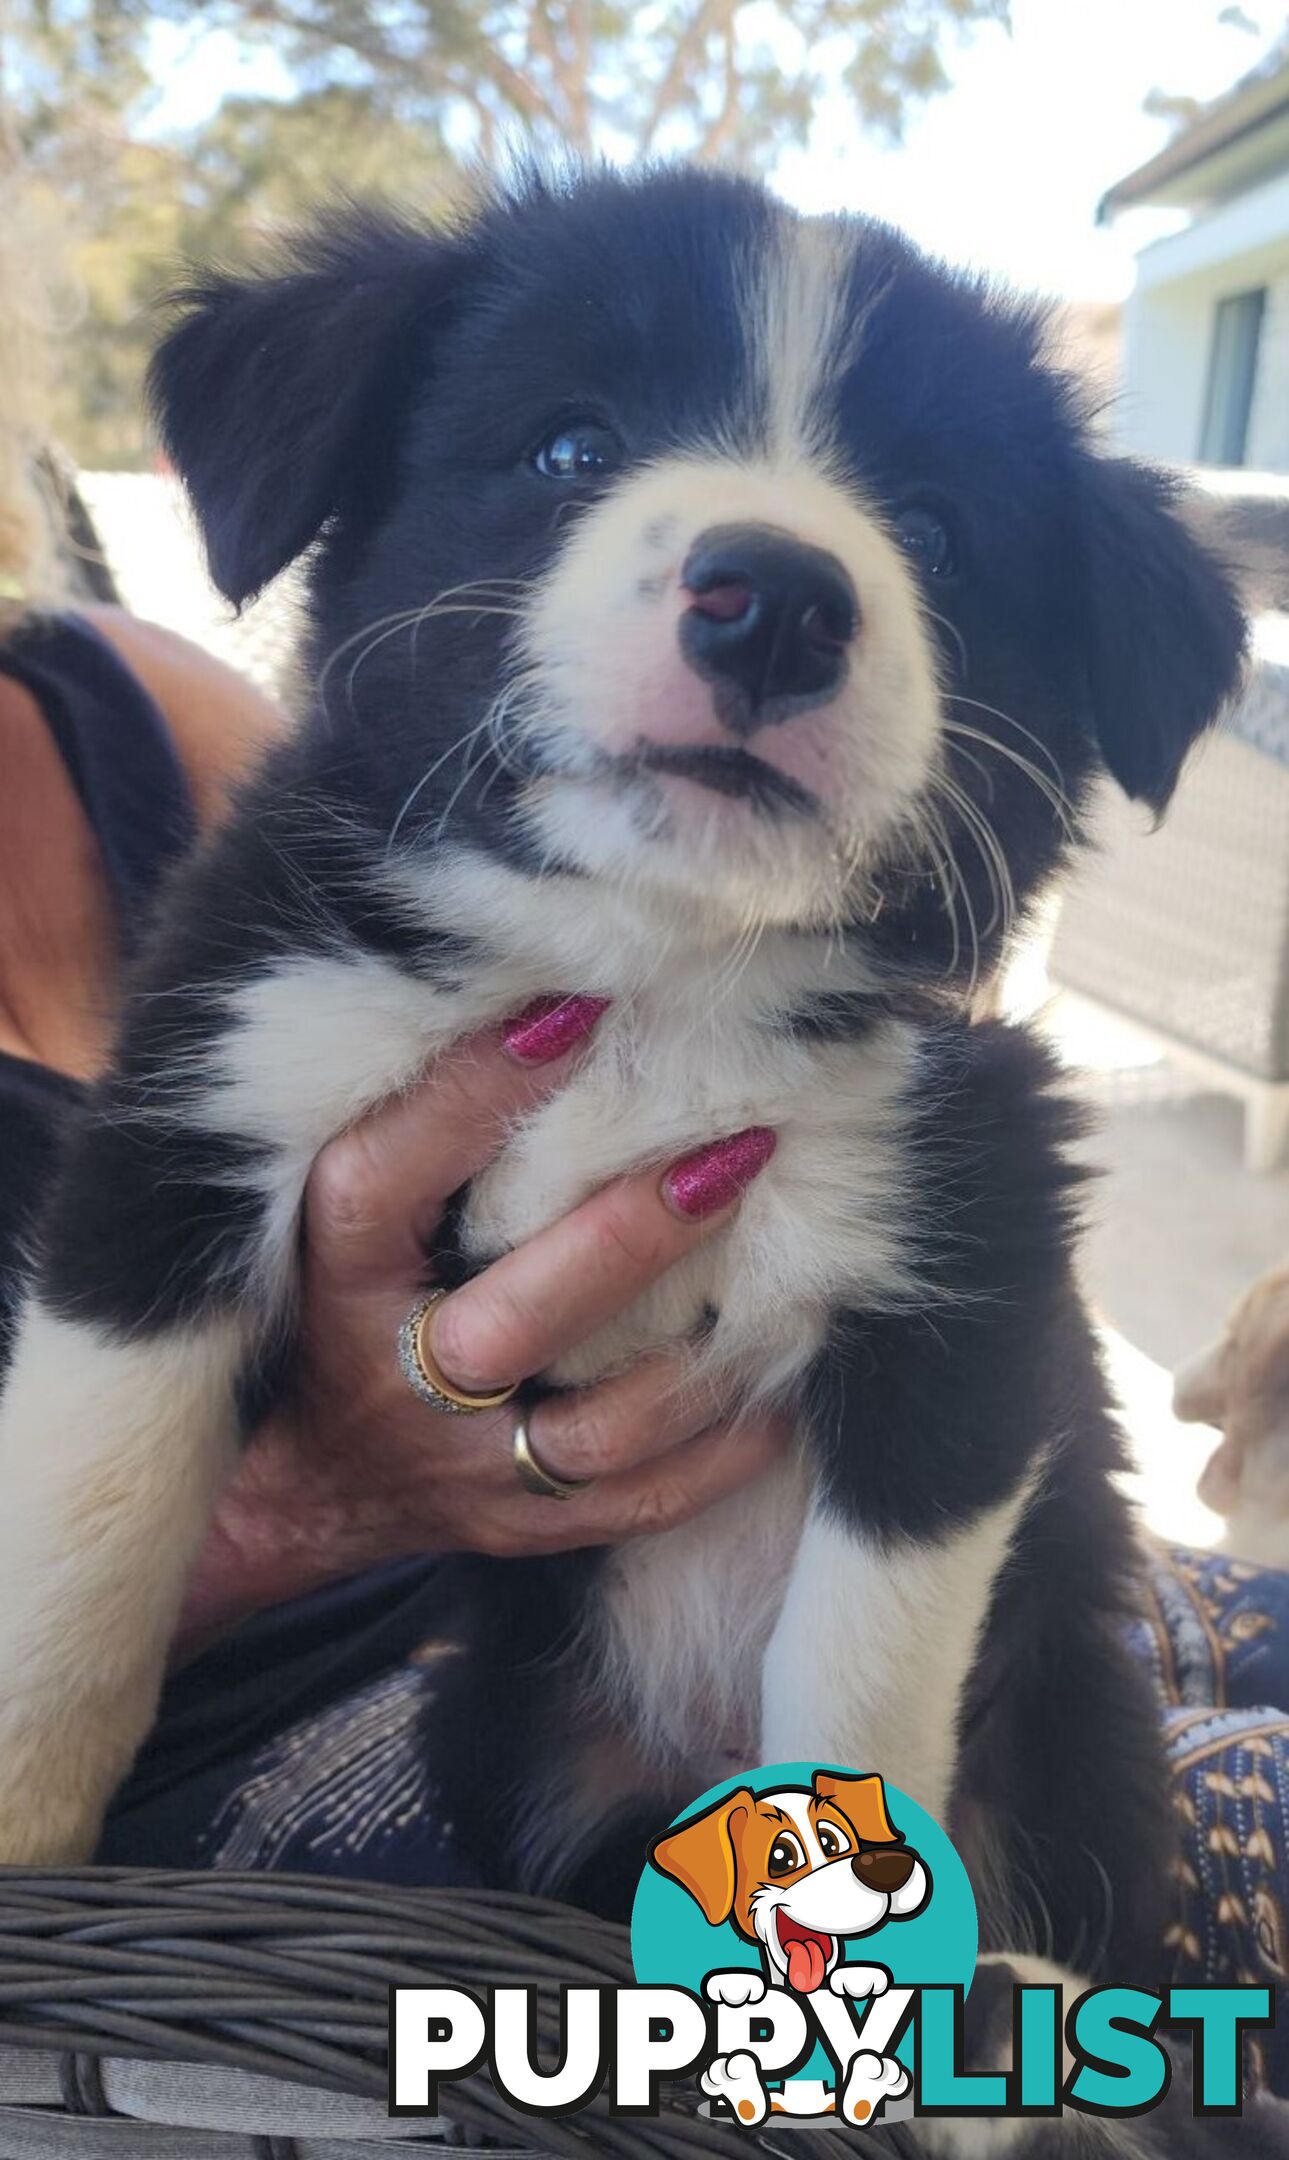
{"points": [[1168, 328]]}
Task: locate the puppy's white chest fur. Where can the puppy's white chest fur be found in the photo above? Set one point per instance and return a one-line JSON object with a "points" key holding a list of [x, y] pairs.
{"points": [[680, 1622], [674, 1065]]}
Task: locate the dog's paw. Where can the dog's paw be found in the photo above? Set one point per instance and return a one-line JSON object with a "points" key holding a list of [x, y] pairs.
{"points": [[871, 2080], [736, 2079], [37, 1830], [735, 1990], [859, 1980]]}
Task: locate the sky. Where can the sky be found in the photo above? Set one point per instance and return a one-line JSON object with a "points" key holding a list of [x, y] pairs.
{"points": [[1006, 169], [1003, 172]]}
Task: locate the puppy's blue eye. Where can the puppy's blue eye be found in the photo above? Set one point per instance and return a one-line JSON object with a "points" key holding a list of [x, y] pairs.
{"points": [[579, 450], [926, 540]]}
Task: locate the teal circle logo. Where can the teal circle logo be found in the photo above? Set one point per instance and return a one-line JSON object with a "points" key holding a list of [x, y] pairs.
{"points": [[809, 1876]]}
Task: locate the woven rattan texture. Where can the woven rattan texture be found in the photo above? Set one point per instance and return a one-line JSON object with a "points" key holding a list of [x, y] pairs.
{"points": [[288, 1978]]}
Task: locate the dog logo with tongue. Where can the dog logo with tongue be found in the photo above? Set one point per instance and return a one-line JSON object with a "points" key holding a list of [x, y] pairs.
{"points": [[775, 1898], [798, 1871]]}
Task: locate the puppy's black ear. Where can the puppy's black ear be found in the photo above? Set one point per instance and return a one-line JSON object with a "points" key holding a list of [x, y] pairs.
{"points": [[278, 397], [1165, 627]]}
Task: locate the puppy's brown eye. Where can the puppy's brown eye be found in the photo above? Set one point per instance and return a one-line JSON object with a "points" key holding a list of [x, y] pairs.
{"points": [[785, 1855], [832, 1841], [578, 450]]}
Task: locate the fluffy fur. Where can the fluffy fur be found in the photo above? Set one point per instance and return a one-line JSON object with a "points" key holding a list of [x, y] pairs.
{"points": [[507, 448]]}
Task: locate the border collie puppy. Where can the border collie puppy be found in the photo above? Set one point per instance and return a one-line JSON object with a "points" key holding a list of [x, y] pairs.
{"points": [[821, 611]]}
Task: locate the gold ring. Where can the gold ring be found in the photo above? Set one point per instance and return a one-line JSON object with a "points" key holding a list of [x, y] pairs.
{"points": [[423, 1376], [534, 1475]]}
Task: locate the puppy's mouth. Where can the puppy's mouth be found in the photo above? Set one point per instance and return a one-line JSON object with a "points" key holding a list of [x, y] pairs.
{"points": [[808, 1951], [729, 770]]}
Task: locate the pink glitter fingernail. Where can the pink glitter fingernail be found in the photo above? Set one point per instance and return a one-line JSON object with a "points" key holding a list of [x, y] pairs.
{"points": [[704, 1183], [550, 1026]]}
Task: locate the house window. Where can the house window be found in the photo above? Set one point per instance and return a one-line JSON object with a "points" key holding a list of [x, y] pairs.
{"points": [[1232, 371]]}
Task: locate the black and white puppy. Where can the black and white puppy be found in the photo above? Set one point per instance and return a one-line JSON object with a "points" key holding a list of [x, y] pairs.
{"points": [[722, 613]]}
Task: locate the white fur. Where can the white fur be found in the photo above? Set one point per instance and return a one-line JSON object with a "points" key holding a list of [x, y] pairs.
{"points": [[603, 670], [873, 1645], [803, 334], [110, 1457]]}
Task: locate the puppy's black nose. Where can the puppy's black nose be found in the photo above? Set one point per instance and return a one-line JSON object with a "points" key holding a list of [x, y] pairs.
{"points": [[769, 622], [884, 1867]]}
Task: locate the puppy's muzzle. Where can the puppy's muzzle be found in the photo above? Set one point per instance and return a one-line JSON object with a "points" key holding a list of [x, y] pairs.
{"points": [[769, 624], [887, 1868]]}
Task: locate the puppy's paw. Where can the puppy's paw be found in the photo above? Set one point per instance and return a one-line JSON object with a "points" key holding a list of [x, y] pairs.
{"points": [[736, 1990], [39, 1830], [859, 1980], [871, 2080], [737, 2080]]}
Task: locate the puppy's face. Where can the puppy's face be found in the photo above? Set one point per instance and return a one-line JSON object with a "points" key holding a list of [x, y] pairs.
{"points": [[798, 1871], [669, 539]]}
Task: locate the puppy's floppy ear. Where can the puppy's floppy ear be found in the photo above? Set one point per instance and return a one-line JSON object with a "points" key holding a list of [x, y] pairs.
{"points": [[862, 1801], [278, 397], [1164, 627], [701, 1855]]}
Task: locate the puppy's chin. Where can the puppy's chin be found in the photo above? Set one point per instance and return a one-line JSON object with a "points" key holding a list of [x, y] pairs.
{"points": [[730, 859]]}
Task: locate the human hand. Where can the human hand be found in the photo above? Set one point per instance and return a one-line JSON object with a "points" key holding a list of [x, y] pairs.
{"points": [[358, 1471]]}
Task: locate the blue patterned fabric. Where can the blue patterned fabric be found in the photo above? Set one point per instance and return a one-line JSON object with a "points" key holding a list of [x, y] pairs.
{"points": [[1217, 1638]]}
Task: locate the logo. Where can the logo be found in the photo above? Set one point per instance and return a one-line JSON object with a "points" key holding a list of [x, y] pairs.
{"points": [[803, 1938], [803, 1904]]}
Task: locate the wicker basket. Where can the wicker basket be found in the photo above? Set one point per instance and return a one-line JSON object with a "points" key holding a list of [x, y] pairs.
{"points": [[243, 2017]]}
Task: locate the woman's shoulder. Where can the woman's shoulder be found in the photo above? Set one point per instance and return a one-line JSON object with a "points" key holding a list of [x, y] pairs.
{"points": [[219, 722], [60, 944]]}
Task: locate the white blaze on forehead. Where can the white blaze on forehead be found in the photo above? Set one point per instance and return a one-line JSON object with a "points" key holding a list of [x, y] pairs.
{"points": [[803, 332], [796, 1807]]}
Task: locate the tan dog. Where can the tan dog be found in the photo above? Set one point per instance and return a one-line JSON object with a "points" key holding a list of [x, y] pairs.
{"points": [[1241, 1385], [797, 1871]]}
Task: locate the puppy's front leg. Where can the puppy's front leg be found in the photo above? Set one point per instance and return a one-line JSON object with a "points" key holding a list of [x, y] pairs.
{"points": [[932, 1425], [111, 1454], [872, 1648], [166, 1263]]}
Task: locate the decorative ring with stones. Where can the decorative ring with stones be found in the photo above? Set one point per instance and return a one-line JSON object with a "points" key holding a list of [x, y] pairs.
{"points": [[423, 1375]]}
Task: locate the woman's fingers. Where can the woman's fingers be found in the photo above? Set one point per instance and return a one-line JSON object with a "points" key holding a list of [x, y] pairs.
{"points": [[657, 1495], [376, 1193], [624, 1422], [536, 1303]]}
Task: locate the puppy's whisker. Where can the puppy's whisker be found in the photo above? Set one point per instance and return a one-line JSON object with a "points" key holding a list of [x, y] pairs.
{"points": [[995, 712], [455, 749], [1061, 806], [953, 631]]}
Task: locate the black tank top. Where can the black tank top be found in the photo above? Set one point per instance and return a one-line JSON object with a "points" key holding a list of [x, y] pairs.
{"points": [[130, 783]]}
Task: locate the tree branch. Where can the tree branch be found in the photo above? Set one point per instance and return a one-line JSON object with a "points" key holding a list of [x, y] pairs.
{"points": [[723, 126], [687, 48]]}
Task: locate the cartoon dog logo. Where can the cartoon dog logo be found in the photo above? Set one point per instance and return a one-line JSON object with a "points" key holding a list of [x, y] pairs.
{"points": [[797, 1872]]}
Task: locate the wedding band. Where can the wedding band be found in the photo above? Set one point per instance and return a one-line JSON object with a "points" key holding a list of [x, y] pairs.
{"points": [[533, 1475], [423, 1376]]}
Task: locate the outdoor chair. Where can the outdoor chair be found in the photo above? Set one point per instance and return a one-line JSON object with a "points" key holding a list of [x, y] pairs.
{"points": [[1186, 929]]}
